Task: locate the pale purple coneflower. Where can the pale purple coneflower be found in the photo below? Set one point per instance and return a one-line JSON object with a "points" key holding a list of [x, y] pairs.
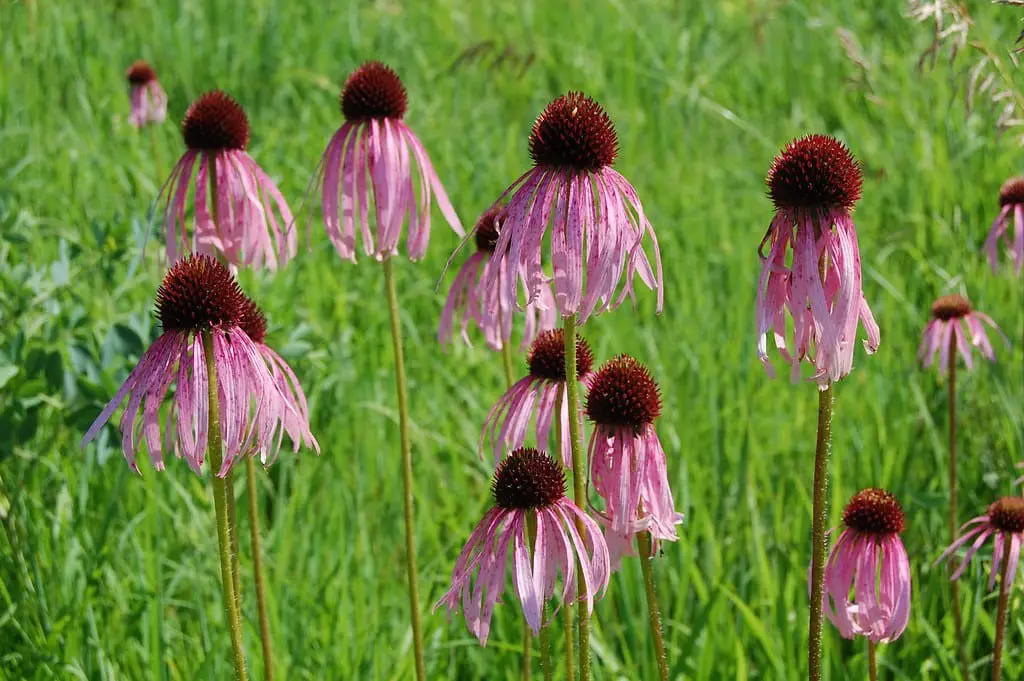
{"points": [[198, 296], [370, 161], [955, 323], [596, 220], [148, 99], [469, 297], [540, 392], [1004, 522], [547, 535], [627, 462], [867, 578], [812, 270], [1011, 213], [239, 213]]}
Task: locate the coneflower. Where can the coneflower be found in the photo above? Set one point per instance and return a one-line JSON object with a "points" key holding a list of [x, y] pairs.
{"points": [[148, 99], [1011, 214]]}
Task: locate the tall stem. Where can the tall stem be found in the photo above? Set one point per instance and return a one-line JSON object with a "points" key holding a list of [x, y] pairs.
{"points": [[1004, 597], [958, 621], [819, 519], [570, 666], [236, 569], [406, 452], [579, 479], [214, 455], [872, 661], [645, 551], [257, 568]]}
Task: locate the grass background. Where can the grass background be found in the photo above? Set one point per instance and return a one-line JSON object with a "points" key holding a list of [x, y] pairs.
{"points": [[104, 575]]}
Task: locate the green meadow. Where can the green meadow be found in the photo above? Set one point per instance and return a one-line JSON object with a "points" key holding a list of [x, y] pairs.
{"points": [[108, 575]]}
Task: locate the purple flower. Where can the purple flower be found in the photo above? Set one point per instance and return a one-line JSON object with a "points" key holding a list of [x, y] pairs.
{"points": [[870, 561], [597, 221], [627, 462], [148, 99], [198, 295], [1005, 523], [812, 270], [955, 324], [543, 388], [253, 225], [375, 144], [468, 297], [534, 519], [1011, 203]]}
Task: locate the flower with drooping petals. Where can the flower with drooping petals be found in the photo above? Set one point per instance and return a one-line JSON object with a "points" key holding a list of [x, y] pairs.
{"points": [[870, 561], [529, 496], [596, 220], [148, 99], [542, 391], [295, 421], [627, 462], [198, 296], [370, 161], [1005, 523], [240, 215], [955, 324], [1011, 206], [812, 270], [468, 297]]}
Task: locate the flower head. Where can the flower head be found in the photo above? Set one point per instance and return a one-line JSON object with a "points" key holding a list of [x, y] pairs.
{"points": [[240, 215], [369, 162], [469, 298], [534, 519], [148, 99], [1011, 206], [543, 389], [870, 561], [198, 299], [1004, 521], [812, 270], [955, 326], [596, 220], [627, 462]]}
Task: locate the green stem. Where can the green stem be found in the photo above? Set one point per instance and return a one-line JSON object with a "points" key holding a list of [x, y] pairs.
{"points": [[872, 661], [407, 497], [236, 569], [215, 458], [566, 607], [1004, 597], [645, 550], [579, 479], [822, 450], [506, 361], [257, 569], [958, 622]]}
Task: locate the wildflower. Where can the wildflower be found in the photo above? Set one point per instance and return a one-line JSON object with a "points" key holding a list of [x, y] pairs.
{"points": [[240, 214], [543, 387], [627, 462], [198, 296], [148, 99], [869, 559], [548, 535], [813, 268], [597, 221], [955, 323], [1005, 523], [375, 143], [1011, 202]]}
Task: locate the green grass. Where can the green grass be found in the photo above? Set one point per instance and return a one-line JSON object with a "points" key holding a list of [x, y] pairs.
{"points": [[105, 575]]}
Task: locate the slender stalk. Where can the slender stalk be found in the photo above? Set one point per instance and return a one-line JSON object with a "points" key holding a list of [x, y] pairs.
{"points": [[579, 479], [872, 660], [257, 568], [822, 450], [236, 569], [958, 621], [407, 497], [506, 361], [1004, 597], [645, 551], [213, 454], [570, 666]]}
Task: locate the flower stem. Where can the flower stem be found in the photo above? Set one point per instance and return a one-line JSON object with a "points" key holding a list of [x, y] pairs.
{"points": [[407, 497], [1004, 597], [257, 569], [958, 621], [579, 479], [236, 569], [213, 453], [819, 519], [566, 607], [645, 551], [872, 660]]}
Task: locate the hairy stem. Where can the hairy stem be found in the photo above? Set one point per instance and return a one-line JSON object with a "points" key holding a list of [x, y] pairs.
{"points": [[257, 569], [645, 550], [1004, 597], [819, 520], [872, 661], [958, 621]]}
